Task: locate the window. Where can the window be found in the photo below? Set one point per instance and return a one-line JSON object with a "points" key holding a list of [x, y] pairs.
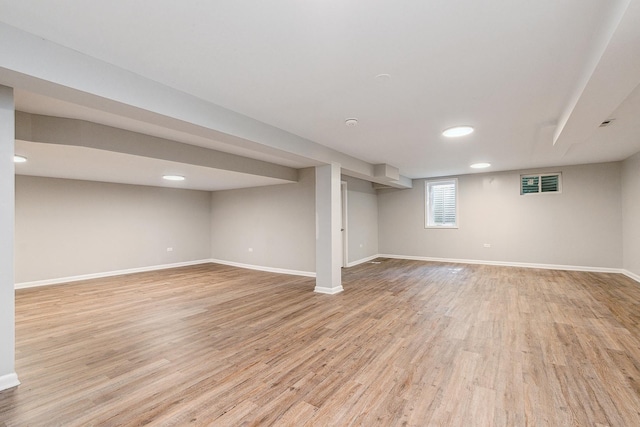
{"points": [[442, 203], [540, 183]]}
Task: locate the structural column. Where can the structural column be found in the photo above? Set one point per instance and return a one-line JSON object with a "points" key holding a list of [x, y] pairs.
{"points": [[328, 234], [8, 377]]}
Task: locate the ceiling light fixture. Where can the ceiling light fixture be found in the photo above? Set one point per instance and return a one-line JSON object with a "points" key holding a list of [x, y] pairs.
{"points": [[19, 159], [457, 131], [480, 165], [173, 177], [351, 122]]}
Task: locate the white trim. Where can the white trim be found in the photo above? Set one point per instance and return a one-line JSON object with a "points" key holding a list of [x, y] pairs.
{"points": [[263, 268], [509, 264], [107, 274], [362, 261], [631, 275], [24, 285], [9, 381], [328, 291]]}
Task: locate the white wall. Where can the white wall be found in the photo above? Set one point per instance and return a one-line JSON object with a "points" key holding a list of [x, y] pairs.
{"points": [[362, 219], [631, 214], [67, 228], [277, 222], [582, 226]]}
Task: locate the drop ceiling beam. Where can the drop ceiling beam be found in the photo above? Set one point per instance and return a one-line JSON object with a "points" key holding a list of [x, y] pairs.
{"points": [[77, 78], [80, 133], [612, 74]]}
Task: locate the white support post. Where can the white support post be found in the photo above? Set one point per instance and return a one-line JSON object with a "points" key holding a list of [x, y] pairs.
{"points": [[8, 377], [328, 225]]}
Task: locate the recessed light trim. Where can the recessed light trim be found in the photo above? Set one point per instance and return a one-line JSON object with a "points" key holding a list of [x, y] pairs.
{"points": [[457, 131], [351, 122], [173, 177], [19, 159], [480, 165]]}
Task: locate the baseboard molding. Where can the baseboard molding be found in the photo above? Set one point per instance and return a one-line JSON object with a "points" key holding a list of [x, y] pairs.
{"points": [[263, 268], [362, 261], [328, 291], [9, 381], [631, 275], [508, 264], [107, 274], [60, 280]]}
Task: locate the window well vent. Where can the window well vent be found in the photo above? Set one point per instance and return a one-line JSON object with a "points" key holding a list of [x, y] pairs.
{"points": [[540, 183]]}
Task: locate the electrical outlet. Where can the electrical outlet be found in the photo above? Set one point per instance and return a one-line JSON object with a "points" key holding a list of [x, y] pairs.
{"points": [[169, 249], [361, 245], [250, 249], [487, 245]]}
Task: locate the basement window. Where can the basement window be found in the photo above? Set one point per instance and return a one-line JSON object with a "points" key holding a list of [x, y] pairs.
{"points": [[540, 183], [441, 203]]}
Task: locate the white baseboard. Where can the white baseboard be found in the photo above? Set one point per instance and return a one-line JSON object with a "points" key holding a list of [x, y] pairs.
{"points": [[9, 381], [631, 275], [508, 264], [313, 274], [263, 268], [107, 274], [329, 291], [362, 261]]}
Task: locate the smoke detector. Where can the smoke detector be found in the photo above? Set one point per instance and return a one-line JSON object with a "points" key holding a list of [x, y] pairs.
{"points": [[351, 122]]}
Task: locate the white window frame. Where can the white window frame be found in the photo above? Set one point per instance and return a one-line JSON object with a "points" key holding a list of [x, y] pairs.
{"points": [[427, 205], [540, 175]]}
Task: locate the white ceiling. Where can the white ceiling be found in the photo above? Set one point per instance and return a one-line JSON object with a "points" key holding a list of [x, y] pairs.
{"points": [[511, 69]]}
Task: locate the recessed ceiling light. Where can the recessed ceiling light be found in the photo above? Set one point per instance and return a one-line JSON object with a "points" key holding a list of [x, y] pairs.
{"points": [[457, 131], [173, 177], [383, 77], [480, 165], [351, 122], [19, 159]]}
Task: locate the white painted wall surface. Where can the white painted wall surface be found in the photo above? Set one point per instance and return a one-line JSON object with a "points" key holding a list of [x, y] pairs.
{"points": [[276, 222], [582, 226], [362, 216], [631, 214], [68, 228]]}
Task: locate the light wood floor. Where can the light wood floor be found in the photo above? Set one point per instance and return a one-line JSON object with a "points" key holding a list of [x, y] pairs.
{"points": [[406, 343]]}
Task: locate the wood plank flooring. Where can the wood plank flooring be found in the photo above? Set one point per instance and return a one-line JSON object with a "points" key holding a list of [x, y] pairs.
{"points": [[407, 343]]}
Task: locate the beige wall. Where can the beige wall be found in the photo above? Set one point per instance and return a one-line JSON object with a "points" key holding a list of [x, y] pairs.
{"points": [[277, 222], [582, 226], [631, 214], [362, 219], [67, 228]]}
